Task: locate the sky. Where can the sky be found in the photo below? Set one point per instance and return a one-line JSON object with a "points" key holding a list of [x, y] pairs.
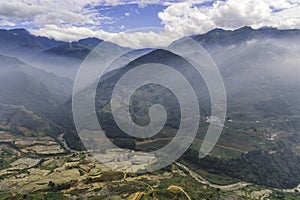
{"points": [[141, 23]]}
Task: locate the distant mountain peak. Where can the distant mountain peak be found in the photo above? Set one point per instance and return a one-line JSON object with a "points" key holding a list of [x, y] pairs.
{"points": [[19, 31], [216, 30], [91, 42], [90, 39], [243, 34], [245, 28]]}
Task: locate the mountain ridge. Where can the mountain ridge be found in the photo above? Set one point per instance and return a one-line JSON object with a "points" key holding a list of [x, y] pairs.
{"points": [[94, 40]]}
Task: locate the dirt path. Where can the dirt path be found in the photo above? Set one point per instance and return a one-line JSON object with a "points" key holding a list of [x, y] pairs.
{"points": [[136, 196], [291, 190], [174, 188]]}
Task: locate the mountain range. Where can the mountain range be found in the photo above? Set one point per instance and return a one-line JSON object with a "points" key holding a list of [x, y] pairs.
{"points": [[260, 69]]}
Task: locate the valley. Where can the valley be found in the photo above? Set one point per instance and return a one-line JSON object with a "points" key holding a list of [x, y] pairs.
{"points": [[79, 175], [257, 155], [36, 166]]}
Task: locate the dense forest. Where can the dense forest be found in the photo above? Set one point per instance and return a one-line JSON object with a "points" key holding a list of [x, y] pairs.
{"points": [[279, 168]]}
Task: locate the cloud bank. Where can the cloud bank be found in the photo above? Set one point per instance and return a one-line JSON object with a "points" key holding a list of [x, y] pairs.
{"points": [[71, 20]]}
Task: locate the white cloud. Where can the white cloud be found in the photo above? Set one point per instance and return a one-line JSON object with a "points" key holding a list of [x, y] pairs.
{"points": [[46, 12], [186, 19], [234, 14], [189, 19], [19, 10], [75, 19], [122, 27], [6, 23], [141, 39], [69, 33], [138, 39]]}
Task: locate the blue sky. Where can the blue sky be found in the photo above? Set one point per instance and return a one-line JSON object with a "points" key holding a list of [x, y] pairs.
{"points": [[131, 16], [71, 20]]}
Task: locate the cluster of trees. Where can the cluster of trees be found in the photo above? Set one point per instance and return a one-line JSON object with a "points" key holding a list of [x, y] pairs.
{"points": [[61, 186], [278, 170]]}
